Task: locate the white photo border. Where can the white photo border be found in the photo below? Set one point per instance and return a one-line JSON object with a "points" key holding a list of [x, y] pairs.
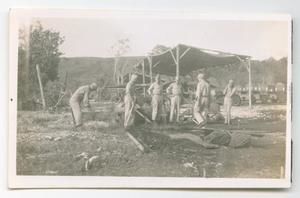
{"points": [[18, 181]]}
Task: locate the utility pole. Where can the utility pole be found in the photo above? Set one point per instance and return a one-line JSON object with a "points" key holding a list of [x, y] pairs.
{"points": [[150, 68], [177, 62], [41, 86], [250, 83]]}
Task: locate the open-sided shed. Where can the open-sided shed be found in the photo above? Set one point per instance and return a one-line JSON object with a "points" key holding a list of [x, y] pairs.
{"points": [[183, 59]]}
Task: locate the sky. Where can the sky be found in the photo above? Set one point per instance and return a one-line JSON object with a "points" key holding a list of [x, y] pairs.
{"points": [[92, 37]]}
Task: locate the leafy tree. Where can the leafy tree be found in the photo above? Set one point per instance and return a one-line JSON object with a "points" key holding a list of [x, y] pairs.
{"points": [[36, 46], [118, 49]]}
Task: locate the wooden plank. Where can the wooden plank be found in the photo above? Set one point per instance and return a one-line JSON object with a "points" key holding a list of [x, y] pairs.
{"points": [[173, 56], [136, 142], [143, 116], [186, 51]]}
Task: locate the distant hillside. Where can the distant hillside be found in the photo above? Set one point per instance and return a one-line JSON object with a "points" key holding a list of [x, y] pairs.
{"points": [[84, 70], [266, 72]]}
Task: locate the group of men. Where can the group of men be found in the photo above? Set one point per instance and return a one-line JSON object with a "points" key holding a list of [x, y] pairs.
{"points": [[174, 90]]}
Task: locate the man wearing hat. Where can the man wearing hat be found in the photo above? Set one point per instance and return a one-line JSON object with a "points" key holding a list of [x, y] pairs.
{"points": [[156, 91], [175, 89], [202, 101], [81, 95], [129, 101]]}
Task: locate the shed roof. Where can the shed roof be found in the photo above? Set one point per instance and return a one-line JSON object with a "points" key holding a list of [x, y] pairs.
{"points": [[191, 59]]}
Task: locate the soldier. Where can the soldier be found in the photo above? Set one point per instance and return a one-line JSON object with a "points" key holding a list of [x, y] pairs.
{"points": [[129, 101], [229, 91], [81, 95], [175, 89], [202, 101], [155, 90]]}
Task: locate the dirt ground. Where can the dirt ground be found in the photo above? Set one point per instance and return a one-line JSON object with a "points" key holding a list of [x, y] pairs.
{"points": [[47, 145]]}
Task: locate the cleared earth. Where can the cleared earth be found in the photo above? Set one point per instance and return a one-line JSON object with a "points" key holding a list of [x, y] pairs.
{"points": [[47, 145]]}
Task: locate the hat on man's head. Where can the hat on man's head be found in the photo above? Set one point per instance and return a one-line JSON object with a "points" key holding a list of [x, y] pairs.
{"points": [[200, 75], [134, 76], [93, 86]]}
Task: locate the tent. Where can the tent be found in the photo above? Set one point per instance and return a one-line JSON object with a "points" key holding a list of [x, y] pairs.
{"points": [[183, 59]]}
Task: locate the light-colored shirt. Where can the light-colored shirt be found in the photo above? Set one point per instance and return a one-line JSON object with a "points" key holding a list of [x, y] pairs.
{"points": [[155, 89], [174, 89], [202, 89], [130, 89], [81, 95], [229, 91]]}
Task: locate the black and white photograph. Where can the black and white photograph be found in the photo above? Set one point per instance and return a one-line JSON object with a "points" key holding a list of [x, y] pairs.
{"points": [[149, 99]]}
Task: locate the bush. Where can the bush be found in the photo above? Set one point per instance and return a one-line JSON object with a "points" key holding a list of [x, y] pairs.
{"points": [[53, 91]]}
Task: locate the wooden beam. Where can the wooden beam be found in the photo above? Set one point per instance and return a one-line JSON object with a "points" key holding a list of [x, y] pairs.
{"points": [[143, 68], [186, 51], [177, 61], [41, 86], [136, 142], [156, 64], [150, 68], [141, 73], [173, 56], [59, 100], [250, 83], [143, 116]]}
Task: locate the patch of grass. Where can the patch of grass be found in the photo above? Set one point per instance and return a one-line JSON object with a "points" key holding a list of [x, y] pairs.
{"points": [[118, 156]]}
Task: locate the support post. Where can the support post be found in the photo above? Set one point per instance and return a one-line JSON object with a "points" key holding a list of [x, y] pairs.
{"points": [[184, 53], [250, 83], [143, 67], [177, 61], [41, 86], [150, 68]]}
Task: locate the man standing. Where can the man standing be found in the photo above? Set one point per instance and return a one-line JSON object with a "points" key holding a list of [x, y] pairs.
{"points": [[175, 89], [229, 91], [81, 95], [129, 101], [202, 101], [155, 90]]}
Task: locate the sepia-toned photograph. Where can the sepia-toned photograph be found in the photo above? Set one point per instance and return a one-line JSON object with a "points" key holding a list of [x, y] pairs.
{"points": [[149, 99]]}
